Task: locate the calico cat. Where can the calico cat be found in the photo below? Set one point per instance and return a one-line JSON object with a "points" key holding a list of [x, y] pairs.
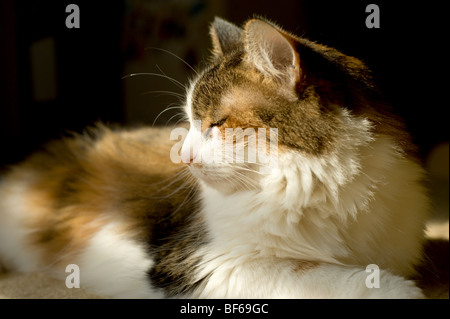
{"points": [[341, 190]]}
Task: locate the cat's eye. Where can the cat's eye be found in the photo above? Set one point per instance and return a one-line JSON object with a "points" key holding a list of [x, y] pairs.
{"points": [[219, 123]]}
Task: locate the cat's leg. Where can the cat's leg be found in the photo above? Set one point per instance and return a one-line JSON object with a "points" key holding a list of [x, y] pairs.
{"points": [[114, 264], [294, 279], [111, 262]]}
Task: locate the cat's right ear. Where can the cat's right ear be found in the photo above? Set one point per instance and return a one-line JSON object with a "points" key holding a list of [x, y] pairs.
{"points": [[225, 37], [272, 51]]}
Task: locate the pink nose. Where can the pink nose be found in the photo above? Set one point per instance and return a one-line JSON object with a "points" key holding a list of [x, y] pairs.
{"points": [[191, 160], [186, 155]]}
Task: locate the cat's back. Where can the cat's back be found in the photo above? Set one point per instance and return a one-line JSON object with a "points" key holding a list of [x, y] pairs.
{"points": [[62, 195], [97, 163]]}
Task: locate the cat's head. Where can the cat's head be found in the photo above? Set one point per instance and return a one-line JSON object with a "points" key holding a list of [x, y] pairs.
{"points": [[299, 102]]}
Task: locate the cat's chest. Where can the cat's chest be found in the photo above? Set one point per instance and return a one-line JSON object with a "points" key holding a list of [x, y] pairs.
{"points": [[248, 224], [227, 214]]}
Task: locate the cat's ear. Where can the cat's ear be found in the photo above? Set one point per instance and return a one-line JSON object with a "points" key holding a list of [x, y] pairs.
{"points": [[272, 51], [225, 37]]}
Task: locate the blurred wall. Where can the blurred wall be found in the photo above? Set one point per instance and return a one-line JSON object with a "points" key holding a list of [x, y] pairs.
{"points": [[56, 79]]}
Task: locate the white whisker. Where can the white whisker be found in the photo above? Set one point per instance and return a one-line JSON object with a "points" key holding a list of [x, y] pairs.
{"points": [[174, 55], [179, 84], [171, 106], [171, 79], [173, 116], [179, 95]]}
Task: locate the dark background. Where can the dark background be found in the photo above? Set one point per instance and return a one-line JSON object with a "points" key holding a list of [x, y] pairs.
{"points": [[407, 56]]}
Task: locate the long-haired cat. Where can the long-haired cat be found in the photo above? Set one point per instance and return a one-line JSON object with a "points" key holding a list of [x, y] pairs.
{"points": [[339, 191]]}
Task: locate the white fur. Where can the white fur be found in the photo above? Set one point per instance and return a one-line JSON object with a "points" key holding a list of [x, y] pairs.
{"points": [[189, 92], [239, 277], [15, 252], [362, 204], [113, 264]]}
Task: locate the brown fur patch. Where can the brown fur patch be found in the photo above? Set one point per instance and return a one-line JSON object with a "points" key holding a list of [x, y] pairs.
{"points": [[304, 266], [81, 183]]}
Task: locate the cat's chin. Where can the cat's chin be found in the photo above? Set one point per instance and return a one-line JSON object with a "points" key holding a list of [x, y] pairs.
{"points": [[219, 184], [222, 184], [225, 189]]}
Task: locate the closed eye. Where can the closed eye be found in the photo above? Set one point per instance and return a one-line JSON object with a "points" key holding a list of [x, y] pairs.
{"points": [[219, 123]]}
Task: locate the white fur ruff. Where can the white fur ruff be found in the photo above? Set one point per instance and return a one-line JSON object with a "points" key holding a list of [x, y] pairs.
{"points": [[363, 204]]}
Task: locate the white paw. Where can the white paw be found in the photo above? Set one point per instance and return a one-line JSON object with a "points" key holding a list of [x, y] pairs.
{"points": [[394, 287]]}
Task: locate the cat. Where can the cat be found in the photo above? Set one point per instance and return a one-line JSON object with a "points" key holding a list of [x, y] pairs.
{"points": [[341, 190]]}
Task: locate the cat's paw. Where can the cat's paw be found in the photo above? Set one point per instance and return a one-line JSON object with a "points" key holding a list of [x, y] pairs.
{"points": [[335, 281], [395, 287]]}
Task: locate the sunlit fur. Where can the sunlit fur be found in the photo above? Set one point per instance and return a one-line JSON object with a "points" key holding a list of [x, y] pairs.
{"points": [[342, 190]]}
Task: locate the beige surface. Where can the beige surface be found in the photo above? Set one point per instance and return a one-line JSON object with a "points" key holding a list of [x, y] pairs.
{"points": [[36, 286], [434, 275]]}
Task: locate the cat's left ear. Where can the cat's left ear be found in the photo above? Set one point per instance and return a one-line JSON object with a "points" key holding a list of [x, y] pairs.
{"points": [[272, 51], [225, 37]]}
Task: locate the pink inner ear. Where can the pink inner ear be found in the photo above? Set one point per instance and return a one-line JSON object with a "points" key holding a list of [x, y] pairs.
{"points": [[272, 51], [282, 52]]}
